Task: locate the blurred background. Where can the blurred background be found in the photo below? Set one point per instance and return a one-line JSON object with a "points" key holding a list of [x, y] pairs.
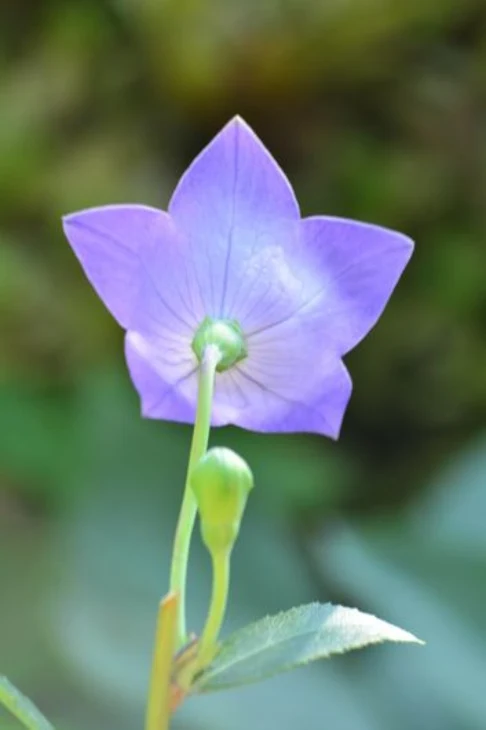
{"points": [[377, 110]]}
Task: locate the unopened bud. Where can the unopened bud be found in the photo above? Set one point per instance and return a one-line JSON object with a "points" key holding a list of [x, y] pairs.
{"points": [[221, 482]]}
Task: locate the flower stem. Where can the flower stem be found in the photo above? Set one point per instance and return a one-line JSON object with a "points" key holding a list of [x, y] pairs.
{"points": [[217, 609], [187, 515], [158, 706]]}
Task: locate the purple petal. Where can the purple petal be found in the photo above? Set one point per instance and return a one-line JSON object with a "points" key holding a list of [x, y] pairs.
{"points": [[293, 384], [230, 203], [319, 408], [167, 390], [304, 292], [114, 245], [276, 389], [360, 265], [158, 345], [350, 270]]}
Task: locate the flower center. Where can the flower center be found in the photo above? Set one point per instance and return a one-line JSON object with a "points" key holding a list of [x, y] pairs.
{"points": [[228, 337]]}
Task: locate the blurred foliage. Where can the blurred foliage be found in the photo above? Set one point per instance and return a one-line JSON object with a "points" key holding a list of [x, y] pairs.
{"points": [[377, 110]]}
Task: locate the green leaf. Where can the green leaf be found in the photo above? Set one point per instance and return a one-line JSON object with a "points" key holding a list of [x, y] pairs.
{"points": [[291, 639], [21, 707]]}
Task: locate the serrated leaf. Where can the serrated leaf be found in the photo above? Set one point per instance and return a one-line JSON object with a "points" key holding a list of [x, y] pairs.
{"points": [[21, 707], [291, 639]]}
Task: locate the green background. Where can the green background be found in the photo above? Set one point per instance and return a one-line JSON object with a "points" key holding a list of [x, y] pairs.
{"points": [[377, 110]]}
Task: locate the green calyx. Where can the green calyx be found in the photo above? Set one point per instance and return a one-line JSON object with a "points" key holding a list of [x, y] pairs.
{"points": [[226, 335], [221, 482]]}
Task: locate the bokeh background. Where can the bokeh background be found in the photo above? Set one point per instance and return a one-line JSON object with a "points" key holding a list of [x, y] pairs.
{"points": [[377, 110]]}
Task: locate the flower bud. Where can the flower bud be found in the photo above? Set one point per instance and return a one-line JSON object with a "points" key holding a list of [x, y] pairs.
{"points": [[226, 334], [221, 481]]}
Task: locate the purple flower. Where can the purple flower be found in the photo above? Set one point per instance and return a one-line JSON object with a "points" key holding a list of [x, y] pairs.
{"points": [[233, 246]]}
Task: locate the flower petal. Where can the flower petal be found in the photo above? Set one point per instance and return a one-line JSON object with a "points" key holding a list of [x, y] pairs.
{"points": [[361, 265], [114, 245], [167, 386], [293, 392], [256, 395], [168, 390], [355, 268], [232, 199], [289, 382]]}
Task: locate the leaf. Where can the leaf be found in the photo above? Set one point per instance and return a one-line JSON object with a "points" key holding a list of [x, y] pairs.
{"points": [[291, 639], [21, 707]]}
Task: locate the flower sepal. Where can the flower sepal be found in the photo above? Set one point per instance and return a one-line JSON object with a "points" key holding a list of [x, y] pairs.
{"points": [[226, 335]]}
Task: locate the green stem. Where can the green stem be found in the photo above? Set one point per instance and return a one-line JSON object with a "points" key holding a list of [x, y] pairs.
{"points": [[187, 515], [217, 609]]}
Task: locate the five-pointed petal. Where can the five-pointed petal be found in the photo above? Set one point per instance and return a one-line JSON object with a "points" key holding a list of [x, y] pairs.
{"points": [[233, 245]]}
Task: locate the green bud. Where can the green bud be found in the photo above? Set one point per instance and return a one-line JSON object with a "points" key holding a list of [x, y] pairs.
{"points": [[221, 482], [226, 334]]}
